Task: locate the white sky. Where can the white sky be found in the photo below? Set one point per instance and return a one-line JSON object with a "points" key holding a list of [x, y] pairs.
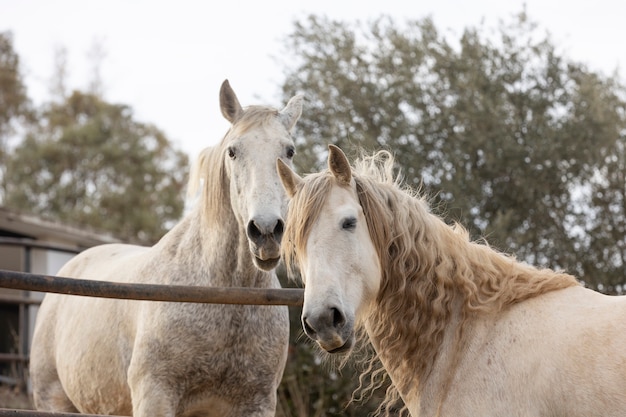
{"points": [[167, 60]]}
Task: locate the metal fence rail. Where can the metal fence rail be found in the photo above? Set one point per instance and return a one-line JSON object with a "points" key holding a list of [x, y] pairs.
{"points": [[105, 289], [4, 412], [153, 292]]}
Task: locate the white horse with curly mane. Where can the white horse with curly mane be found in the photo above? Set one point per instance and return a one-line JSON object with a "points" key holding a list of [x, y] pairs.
{"points": [[159, 359], [462, 329]]}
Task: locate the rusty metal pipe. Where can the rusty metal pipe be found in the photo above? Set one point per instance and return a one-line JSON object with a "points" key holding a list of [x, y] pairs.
{"points": [[153, 292], [31, 413]]}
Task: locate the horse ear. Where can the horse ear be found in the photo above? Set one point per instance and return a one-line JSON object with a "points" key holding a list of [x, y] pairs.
{"points": [[339, 165], [229, 104], [291, 181], [292, 112]]}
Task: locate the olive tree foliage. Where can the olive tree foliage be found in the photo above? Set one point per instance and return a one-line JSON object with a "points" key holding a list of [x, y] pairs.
{"points": [[602, 245], [15, 107], [89, 163], [517, 142], [14, 103], [508, 136]]}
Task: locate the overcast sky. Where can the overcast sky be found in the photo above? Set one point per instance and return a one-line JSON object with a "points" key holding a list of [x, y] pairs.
{"points": [[167, 60]]}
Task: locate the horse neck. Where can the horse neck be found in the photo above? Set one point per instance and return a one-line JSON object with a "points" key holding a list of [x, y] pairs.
{"points": [[415, 388], [213, 252], [435, 281]]}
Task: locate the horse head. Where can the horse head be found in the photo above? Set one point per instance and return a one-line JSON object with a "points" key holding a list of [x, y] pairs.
{"points": [[328, 237], [258, 136]]}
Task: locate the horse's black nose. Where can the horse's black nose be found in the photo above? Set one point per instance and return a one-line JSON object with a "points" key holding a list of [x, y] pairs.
{"points": [[332, 318], [259, 230]]}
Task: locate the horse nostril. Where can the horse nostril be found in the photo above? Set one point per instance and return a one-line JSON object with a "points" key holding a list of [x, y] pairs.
{"points": [[332, 318], [338, 318], [253, 231], [258, 230], [279, 229]]}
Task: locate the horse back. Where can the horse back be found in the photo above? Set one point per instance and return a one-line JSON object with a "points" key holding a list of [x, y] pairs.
{"points": [[110, 262]]}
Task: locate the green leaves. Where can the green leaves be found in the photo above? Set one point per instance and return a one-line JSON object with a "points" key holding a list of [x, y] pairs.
{"points": [[513, 139], [90, 164], [86, 162], [14, 103], [508, 134]]}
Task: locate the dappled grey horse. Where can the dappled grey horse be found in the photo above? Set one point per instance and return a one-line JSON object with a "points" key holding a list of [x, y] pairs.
{"points": [[159, 359]]}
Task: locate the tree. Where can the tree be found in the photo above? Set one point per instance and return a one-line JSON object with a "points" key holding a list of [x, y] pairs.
{"points": [[14, 102], [509, 137], [90, 164], [58, 82], [501, 129], [603, 242], [15, 107]]}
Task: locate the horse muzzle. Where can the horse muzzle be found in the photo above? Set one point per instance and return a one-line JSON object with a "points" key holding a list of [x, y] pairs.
{"points": [[331, 329], [264, 236], [265, 264]]}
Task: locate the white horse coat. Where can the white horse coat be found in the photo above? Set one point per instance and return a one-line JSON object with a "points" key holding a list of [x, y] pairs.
{"points": [[462, 330], [160, 359]]}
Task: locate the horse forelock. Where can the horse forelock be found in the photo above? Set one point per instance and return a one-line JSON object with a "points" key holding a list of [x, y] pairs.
{"points": [[304, 209], [306, 206], [252, 117]]}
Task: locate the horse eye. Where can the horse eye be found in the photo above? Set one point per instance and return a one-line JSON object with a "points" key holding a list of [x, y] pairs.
{"points": [[231, 153], [349, 223], [290, 152]]}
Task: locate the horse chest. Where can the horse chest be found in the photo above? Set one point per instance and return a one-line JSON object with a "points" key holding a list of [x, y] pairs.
{"points": [[213, 342]]}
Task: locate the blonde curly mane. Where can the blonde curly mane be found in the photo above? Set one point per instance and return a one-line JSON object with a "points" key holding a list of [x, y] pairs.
{"points": [[430, 270]]}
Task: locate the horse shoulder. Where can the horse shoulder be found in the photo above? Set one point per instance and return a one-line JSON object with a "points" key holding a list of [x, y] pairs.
{"points": [[96, 263], [70, 333], [112, 262]]}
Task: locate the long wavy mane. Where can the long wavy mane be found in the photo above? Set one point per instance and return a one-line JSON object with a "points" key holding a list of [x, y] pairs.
{"points": [[208, 173], [430, 270]]}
